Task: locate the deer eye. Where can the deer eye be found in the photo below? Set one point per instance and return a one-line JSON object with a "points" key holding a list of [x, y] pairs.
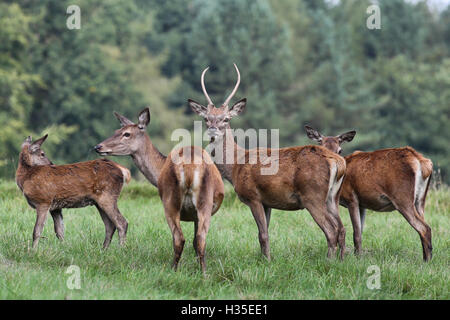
{"points": [[226, 120], [42, 154], [126, 134]]}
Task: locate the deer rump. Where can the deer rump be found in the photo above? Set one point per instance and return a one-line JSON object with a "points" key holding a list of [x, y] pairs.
{"points": [[401, 171], [192, 185], [74, 185]]}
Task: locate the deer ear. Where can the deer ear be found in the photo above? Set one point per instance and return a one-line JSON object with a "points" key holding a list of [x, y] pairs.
{"points": [[144, 118], [123, 120], [347, 137], [27, 141], [35, 146], [198, 108], [313, 134], [238, 107]]}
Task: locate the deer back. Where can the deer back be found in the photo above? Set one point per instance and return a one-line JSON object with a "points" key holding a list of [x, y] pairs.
{"points": [[374, 176], [72, 185]]}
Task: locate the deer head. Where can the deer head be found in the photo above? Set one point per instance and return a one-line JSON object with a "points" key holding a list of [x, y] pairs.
{"points": [[218, 119], [32, 154], [128, 139], [331, 143]]}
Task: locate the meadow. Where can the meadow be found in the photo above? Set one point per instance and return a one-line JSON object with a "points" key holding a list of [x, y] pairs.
{"points": [[235, 267]]}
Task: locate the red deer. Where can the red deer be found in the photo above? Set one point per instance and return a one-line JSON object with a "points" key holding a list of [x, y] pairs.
{"points": [[189, 184], [383, 180], [49, 187], [308, 176]]}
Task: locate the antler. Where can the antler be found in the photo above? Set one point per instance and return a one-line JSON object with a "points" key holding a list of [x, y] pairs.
{"points": [[204, 89], [235, 87]]}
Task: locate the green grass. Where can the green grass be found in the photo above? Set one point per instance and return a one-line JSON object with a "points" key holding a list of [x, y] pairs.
{"points": [[236, 270]]}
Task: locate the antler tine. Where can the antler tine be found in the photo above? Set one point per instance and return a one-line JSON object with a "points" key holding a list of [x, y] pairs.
{"points": [[204, 89], [235, 87]]}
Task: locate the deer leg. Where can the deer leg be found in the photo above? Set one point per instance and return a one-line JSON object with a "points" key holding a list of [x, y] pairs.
{"points": [[420, 208], [268, 212], [334, 213], [194, 242], [173, 220], [41, 216], [328, 226], [119, 219], [260, 218], [362, 215], [178, 241], [204, 218], [355, 216], [423, 229], [113, 213], [110, 228], [58, 223]]}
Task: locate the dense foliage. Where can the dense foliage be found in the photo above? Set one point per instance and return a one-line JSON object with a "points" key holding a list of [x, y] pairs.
{"points": [[302, 61]]}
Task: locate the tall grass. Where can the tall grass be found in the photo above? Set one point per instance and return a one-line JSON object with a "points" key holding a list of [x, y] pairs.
{"points": [[236, 269]]}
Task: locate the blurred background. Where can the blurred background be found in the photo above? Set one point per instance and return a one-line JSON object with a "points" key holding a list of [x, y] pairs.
{"points": [[302, 62]]}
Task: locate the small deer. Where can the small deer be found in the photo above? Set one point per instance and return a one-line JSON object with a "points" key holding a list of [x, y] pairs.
{"points": [[189, 184], [307, 177], [49, 187], [383, 180]]}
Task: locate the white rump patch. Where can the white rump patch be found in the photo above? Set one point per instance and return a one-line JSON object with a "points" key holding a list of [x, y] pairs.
{"points": [[333, 170], [196, 183], [334, 185], [420, 184], [182, 178], [195, 186]]}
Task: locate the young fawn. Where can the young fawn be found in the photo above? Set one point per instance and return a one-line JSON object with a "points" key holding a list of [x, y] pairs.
{"points": [[383, 180], [48, 187]]}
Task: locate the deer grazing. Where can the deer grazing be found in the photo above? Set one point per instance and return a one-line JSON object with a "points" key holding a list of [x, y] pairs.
{"points": [[307, 177], [49, 187], [189, 184], [383, 180]]}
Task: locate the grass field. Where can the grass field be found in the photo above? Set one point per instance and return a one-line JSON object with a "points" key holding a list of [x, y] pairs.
{"points": [[236, 269]]}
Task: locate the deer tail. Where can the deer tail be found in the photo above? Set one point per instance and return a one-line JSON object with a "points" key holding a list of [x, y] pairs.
{"points": [[426, 167], [125, 173]]}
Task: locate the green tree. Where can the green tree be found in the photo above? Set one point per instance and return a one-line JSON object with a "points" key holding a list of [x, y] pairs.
{"points": [[68, 82], [88, 73], [243, 32], [415, 110], [17, 86]]}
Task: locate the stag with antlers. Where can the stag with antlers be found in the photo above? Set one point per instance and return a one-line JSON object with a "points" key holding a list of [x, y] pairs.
{"points": [[307, 177]]}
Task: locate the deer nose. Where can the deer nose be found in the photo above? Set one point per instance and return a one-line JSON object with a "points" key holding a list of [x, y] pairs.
{"points": [[212, 132], [98, 147]]}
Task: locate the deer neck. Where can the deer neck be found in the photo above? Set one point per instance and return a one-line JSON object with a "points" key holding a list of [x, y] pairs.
{"points": [[22, 169], [149, 161], [227, 163]]}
